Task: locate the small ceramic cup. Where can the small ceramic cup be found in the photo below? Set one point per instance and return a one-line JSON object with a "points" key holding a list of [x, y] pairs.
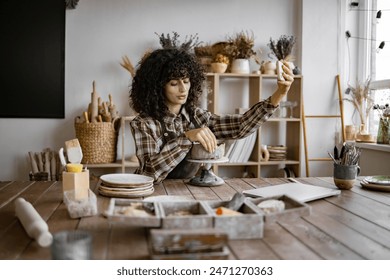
{"points": [[344, 176]]}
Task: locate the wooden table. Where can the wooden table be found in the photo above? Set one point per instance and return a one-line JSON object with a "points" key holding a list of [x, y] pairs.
{"points": [[353, 225]]}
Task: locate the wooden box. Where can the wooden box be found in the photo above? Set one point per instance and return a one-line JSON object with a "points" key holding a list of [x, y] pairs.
{"points": [[248, 225], [184, 244], [293, 209], [185, 215], [134, 212]]}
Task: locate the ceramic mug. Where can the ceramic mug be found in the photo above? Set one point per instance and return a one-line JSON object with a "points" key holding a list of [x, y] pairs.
{"points": [[344, 176]]}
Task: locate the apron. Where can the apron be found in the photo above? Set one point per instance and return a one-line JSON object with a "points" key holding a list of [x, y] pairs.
{"points": [[185, 169]]}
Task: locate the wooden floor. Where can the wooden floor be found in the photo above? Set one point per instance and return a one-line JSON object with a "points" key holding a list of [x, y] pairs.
{"points": [[353, 225]]}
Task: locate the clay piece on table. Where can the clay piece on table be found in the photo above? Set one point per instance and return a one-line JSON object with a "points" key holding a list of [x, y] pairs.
{"points": [[271, 206]]}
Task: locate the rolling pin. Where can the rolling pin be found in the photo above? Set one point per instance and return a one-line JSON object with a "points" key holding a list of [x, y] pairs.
{"points": [[32, 222]]}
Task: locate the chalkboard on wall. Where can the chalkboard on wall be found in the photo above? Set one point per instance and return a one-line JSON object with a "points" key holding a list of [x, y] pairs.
{"points": [[32, 56]]}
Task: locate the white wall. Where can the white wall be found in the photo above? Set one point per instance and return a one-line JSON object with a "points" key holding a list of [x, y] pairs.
{"points": [[100, 32]]}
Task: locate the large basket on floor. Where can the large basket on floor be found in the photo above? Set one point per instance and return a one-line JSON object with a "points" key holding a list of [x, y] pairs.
{"points": [[98, 141]]}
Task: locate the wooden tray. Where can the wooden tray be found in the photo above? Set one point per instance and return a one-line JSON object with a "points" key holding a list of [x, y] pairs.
{"points": [[249, 225], [293, 209], [197, 217], [119, 210], [194, 244]]}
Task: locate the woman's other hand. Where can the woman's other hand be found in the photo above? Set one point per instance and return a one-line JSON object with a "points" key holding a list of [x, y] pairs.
{"points": [[204, 136]]}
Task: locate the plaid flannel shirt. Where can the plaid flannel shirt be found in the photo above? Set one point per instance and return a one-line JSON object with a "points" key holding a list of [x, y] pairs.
{"points": [[158, 154]]}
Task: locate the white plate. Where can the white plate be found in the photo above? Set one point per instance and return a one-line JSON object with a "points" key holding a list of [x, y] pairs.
{"points": [[379, 179], [126, 179], [125, 189], [126, 194], [375, 187], [164, 198]]}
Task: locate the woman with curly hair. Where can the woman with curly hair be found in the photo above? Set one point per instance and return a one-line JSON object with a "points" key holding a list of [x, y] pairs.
{"points": [[165, 93]]}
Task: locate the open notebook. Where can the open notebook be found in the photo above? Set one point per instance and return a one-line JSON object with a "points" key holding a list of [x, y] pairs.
{"points": [[298, 191]]}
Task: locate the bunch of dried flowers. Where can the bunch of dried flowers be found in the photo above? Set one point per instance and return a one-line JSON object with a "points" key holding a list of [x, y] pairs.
{"points": [[203, 50], [361, 99], [172, 41], [282, 48], [220, 58], [240, 45], [383, 110]]}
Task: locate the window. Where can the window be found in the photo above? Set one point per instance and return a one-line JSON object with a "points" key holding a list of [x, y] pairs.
{"points": [[378, 58]]}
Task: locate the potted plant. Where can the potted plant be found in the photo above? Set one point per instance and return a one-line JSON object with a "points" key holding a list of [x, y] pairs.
{"points": [[384, 123], [240, 50], [220, 63], [361, 99]]}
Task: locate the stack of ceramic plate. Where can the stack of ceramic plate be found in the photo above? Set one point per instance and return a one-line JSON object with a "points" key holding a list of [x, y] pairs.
{"points": [[379, 182], [125, 185], [277, 152]]}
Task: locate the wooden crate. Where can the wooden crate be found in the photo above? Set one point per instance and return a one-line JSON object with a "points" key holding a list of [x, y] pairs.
{"points": [[293, 209], [194, 244], [197, 217], [118, 207], [249, 225]]}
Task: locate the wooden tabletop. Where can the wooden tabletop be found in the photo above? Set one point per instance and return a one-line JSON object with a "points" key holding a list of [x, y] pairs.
{"points": [[353, 225]]}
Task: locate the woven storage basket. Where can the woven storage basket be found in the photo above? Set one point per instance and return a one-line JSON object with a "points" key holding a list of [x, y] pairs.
{"points": [[98, 141]]}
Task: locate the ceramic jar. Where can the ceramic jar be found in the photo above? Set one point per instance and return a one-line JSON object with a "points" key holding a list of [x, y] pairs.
{"points": [[268, 68], [218, 67], [240, 66]]}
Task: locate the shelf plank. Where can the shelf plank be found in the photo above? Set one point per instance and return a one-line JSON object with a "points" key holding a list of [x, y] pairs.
{"points": [[248, 163], [112, 165]]}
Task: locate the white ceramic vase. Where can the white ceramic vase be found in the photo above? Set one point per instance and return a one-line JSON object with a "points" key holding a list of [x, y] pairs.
{"points": [[240, 66]]}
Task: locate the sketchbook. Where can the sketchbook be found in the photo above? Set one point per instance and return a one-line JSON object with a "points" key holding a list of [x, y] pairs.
{"points": [[297, 191]]}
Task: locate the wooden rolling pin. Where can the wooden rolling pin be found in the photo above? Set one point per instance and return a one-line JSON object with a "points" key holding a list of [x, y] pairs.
{"points": [[32, 222]]}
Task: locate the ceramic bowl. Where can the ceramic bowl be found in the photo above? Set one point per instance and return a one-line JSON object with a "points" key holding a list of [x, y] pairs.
{"points": [[198, 152]]}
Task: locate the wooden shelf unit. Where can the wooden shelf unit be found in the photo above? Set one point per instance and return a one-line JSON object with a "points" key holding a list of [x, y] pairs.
{"points": [[292, 127]]}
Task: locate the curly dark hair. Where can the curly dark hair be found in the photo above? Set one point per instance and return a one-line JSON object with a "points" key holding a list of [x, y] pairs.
{"points": [[155, 70]]}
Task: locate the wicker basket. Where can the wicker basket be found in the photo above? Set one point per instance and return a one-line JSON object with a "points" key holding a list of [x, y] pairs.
{"points": [[98, 141]]}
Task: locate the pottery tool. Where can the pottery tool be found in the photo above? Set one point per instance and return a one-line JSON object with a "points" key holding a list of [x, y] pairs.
{"points": [[236, 202], [73, 150], [94, 103], [62, 157], [332, 157]]}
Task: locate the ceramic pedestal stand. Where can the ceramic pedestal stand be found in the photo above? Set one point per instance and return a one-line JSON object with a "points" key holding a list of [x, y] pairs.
{"points": [[207, 178]]}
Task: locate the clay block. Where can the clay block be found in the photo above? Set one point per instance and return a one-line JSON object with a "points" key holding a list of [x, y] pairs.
{"points": [[77, 182]]}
